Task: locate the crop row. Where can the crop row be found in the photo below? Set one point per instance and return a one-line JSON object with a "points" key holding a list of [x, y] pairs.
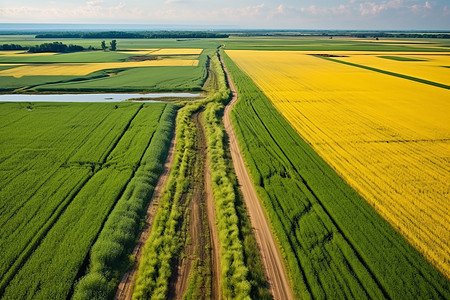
{"points": [[334, 244], [108, 256]]}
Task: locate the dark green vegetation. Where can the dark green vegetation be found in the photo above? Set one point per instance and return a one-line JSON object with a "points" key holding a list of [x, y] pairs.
{"points": [[65, 169], [12, 47], [55, 47], [437, 84], [46, 47], [237, 245], [134, 35], [335, 245], [401, 58], [342, 33]]}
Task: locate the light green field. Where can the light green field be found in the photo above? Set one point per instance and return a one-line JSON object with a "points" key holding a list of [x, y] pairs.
{"points": [[65, 167], [335, 44]]}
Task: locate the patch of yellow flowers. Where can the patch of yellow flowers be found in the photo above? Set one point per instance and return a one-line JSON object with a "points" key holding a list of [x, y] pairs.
{"points": [[80, 69], [388, 137]]}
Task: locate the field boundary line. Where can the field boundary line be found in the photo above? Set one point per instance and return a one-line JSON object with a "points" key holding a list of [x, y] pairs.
{"points": [[420, 80]]}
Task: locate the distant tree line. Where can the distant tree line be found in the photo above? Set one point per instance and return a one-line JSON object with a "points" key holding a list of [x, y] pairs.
{"points": [[12, 47], [402, 35], [45, 47], [55, 47], [134, 35], [343, 33]]}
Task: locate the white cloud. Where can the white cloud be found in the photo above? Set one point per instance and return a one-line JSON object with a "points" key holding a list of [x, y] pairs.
{"points": [[93, 9], [373, 8], [421, 9]]}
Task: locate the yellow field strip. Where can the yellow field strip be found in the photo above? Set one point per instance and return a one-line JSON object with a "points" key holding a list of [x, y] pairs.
{"points": [[139, 52], [387, 137], [430, 69], [75, 69], [379, 53], [176, 51], [24, 53]]}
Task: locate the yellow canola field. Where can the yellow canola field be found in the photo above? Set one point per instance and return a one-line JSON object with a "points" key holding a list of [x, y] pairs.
{"points": [[139, 52], [177, 51], [75, 69], [387, 137], [431, 68]]}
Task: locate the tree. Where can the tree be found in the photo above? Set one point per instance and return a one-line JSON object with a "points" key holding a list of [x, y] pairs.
{"points": [[113, 45], [104, 45]]}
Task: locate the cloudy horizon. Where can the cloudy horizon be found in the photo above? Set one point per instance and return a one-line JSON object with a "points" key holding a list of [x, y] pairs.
{"points": [[287, 14]]}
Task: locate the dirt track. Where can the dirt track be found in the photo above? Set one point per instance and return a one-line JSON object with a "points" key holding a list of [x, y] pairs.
{"points": [[202, 228], [124, 291], [271, 257]]}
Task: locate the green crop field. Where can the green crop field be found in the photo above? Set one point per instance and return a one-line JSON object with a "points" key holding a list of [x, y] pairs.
{"points": [[66, 169], [150, 79]]}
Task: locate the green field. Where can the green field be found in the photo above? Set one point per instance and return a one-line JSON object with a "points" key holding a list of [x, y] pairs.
{"points": [[334, 243], [76, 57], [126, 79], [59, 187], [144, 79], [336, 44]]}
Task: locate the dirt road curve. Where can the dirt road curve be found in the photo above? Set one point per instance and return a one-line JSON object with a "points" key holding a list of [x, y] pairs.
{"points": [[124, 291], [271, 257]]}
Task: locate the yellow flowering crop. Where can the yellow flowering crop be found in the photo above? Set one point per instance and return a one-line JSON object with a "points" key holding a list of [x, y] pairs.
{"points": [[388, 137], [78, 69], [431, 67], [177, 51]]}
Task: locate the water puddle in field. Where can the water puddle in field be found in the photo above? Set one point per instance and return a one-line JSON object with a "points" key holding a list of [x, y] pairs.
{"points": [[93, 97]]}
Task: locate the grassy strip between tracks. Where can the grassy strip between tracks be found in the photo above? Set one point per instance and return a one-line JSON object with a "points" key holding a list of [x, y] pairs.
{"points": [[164, 244]]}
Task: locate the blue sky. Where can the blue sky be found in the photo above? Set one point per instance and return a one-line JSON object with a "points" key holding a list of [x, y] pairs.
{"points": [[269, 14]]}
